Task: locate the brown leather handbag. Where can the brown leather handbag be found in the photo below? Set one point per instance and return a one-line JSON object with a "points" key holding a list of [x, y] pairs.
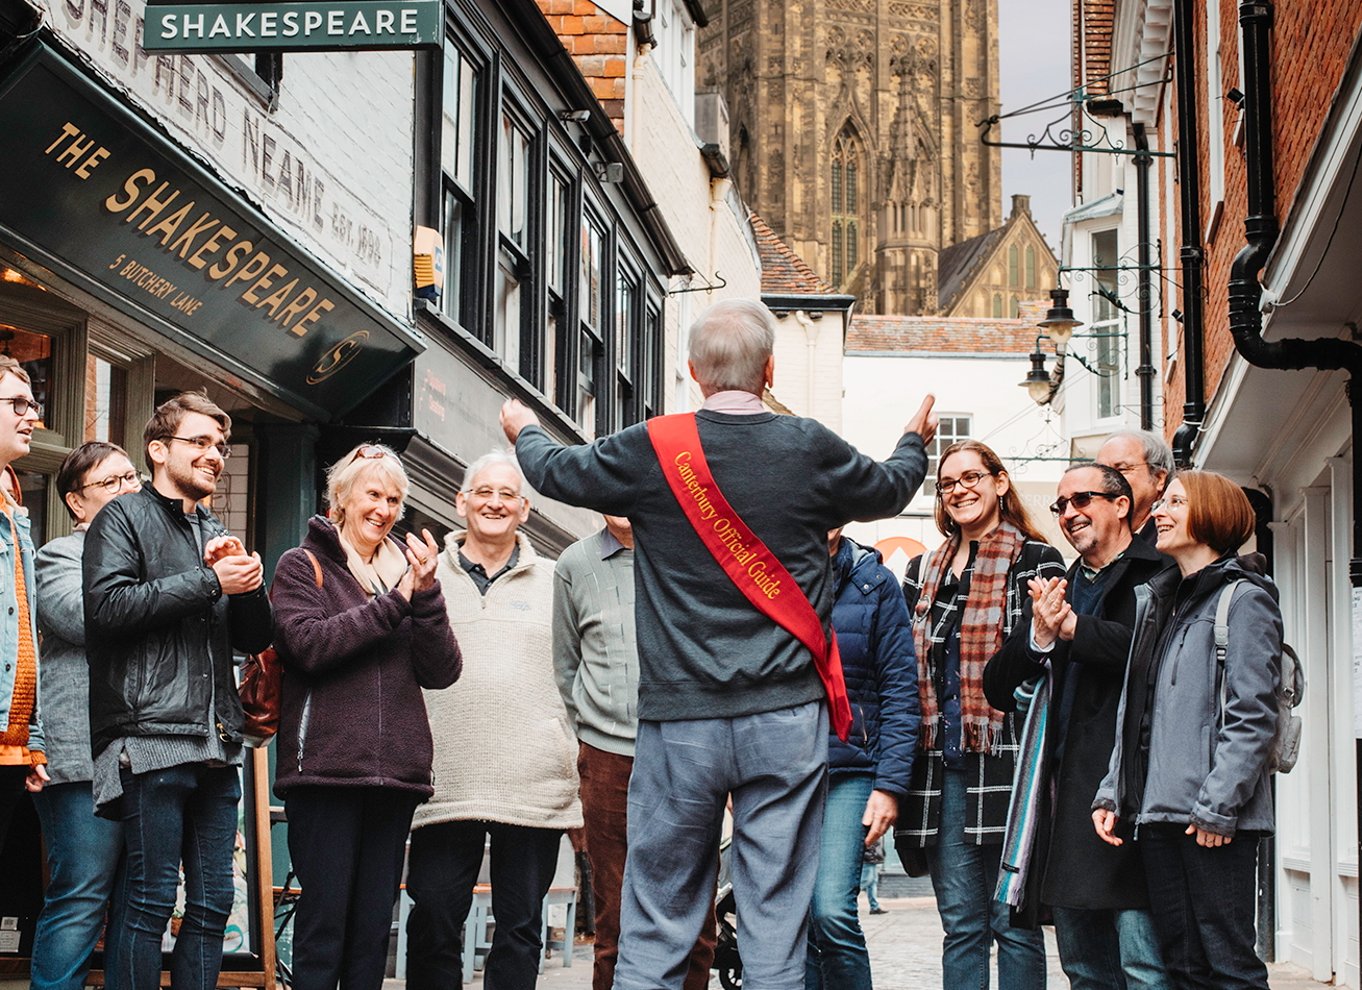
{"points": [[262, 685]]}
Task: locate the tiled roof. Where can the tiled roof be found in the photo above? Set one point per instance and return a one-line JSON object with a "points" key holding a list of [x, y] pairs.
{"points": [[597, 43], [782, 271], [940, 335], [956, 264]]}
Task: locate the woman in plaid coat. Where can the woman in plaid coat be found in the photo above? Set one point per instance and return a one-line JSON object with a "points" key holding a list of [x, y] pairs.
{"points": [[965, 598]]}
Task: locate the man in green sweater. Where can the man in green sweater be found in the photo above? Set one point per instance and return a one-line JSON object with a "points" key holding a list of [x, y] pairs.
{"points": [[729, 701]]}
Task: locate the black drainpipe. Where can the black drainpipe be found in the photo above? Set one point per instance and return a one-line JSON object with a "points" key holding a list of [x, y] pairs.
{"points": [[1145, 372], [1245, 292], [1192, 256]]}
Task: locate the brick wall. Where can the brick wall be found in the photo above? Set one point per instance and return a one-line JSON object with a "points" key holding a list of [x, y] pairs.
{"points": [[597, 43], [1319, 35]]}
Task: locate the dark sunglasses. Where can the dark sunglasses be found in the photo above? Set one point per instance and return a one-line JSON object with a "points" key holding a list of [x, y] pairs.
{"points": [[1079, 500]]}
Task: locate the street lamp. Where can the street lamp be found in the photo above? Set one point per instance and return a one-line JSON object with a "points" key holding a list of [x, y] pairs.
{"points": [[1059, 323], [1038, 383]]}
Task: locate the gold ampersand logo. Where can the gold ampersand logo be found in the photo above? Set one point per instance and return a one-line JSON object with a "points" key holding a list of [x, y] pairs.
{"points": [[338, 357]]}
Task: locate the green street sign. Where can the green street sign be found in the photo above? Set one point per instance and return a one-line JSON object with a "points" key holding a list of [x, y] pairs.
{"points": [[342, 25]]}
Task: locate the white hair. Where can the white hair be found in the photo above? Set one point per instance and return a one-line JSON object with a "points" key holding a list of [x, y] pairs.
{"points": [[730, 343], [491, 459]]}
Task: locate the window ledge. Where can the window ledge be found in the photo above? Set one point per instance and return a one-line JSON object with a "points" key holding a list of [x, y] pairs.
{"points": [[559, 423]]}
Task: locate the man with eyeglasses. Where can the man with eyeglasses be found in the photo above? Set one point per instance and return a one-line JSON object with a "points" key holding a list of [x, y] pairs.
{"points": [[169, 594], [1146, 460], [505, 764], [1079, 635]]}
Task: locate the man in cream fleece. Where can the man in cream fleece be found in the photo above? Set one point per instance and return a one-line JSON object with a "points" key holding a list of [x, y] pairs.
{"points": [[505, 752]]}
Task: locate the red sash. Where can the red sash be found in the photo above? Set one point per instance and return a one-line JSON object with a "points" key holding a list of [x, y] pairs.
{"points": [[745, 559]]}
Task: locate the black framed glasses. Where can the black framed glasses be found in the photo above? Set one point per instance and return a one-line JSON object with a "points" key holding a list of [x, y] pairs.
{"points": [[22, 404], [970, 479], [1079, 500], [114, 483], [203, 443]]}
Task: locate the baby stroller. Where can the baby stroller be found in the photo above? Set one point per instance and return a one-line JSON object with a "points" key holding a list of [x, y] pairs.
{"points": [[727, 961]]}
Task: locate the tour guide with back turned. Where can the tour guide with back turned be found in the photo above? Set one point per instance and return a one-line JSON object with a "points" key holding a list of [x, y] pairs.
{"points": [[729, 700]]}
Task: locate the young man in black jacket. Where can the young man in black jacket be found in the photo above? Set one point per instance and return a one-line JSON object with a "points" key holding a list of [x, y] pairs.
{"points": [[168, 595], [1082, 626]]}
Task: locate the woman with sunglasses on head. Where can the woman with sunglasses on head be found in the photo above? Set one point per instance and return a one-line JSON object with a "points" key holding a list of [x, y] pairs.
{"points": [[965, 598], [361, 628], [83, 851], [1189, 776]]}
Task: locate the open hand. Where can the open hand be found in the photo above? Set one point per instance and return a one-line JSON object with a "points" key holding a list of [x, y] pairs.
{"points": [[423, 554], [515, 416], [924, 421]]}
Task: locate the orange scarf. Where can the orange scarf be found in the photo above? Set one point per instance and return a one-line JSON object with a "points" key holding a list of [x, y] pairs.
{"points": [[25, 696]]}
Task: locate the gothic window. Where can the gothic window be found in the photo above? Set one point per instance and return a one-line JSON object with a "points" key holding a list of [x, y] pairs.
{"points": [[1030, 266], [846, 204], [1013, 267], [997, 305]]}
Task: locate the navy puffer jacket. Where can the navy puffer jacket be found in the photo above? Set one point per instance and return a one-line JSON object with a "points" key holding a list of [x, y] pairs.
{"points": [[880, 666]]}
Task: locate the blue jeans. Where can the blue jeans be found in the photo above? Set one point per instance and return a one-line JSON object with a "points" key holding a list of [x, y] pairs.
{"points": [[186, 814], [870, 883], [964, 877], [1109, 950], [83, 853], [837, 954], [774, 764]]}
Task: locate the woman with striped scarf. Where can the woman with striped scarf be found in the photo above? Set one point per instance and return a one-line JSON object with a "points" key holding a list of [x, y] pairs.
{"points": [[965, 598]]}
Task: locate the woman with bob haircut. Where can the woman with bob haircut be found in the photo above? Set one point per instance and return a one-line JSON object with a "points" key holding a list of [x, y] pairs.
{"points": [[1190, 769], [361, 628], [965, 598]]}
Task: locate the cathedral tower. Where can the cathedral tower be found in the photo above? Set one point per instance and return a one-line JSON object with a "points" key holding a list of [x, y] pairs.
{"points": [[854, 132]]}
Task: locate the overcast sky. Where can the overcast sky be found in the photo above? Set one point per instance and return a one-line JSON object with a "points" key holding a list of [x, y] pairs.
{"points": [[1034, 42]]}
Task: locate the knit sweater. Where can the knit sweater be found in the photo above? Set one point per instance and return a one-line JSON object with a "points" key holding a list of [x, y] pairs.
{"points": [[504, 748], [704, 650]]}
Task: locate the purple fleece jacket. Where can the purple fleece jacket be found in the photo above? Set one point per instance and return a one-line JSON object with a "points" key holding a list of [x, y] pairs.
{"points": [[354, 666]]}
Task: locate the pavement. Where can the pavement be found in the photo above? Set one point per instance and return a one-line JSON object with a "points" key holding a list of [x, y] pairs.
{"points": [[905, 954]]}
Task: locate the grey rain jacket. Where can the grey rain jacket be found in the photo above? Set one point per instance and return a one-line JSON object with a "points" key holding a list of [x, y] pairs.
{"points": [[1202, 765]]}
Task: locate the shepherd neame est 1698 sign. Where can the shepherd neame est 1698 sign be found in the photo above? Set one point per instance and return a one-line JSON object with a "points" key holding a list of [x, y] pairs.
{"points": [[293, 26]]}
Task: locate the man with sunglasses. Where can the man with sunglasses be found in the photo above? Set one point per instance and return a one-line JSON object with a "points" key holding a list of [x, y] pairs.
{"points": [[1080, 632], [169, 595]]}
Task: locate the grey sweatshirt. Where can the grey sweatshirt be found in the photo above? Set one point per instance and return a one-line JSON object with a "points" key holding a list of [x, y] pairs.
{"points": [[704, 649]]}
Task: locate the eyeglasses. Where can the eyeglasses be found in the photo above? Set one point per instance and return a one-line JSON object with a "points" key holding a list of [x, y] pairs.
{"points": [[203, 443], [1172, 502], [968, 480], [1079, 500], [369, 451], [485, 494], [1127, 468], [115, 482], [22, 404]]}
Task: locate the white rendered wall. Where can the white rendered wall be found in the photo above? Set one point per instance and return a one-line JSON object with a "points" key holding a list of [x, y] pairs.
{"points": [[883, 391]]}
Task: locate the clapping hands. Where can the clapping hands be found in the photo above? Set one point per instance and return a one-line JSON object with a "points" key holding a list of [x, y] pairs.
{"points": [[1051, 616]]}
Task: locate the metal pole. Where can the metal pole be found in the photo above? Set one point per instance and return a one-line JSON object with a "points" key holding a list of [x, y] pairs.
{"points": [[1145, 372]]}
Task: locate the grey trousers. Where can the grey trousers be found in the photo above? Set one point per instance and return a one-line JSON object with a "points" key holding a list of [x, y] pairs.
{"points": [[774, 765]]}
